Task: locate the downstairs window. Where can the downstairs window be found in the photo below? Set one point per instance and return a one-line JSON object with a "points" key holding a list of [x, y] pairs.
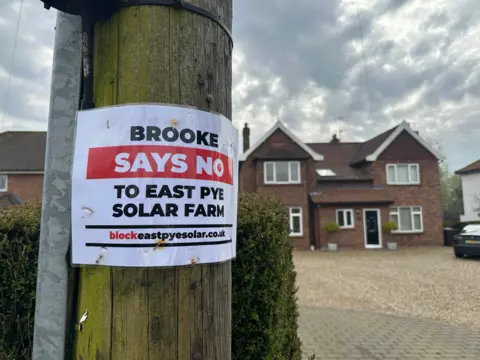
{"points": [[409, 219]]}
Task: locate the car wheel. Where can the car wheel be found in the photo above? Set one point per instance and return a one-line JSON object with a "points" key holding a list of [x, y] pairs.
{"points": [[458, 255]]}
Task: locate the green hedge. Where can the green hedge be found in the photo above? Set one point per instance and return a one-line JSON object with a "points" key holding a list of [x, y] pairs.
{"points": [[264, 308], [19, 233]]}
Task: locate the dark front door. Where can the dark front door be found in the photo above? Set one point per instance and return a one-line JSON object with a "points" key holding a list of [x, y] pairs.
{"points": [[372, 229]]}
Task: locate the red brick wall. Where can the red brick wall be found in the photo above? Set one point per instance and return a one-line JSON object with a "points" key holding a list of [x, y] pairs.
{"points": [[295, 195], [28, 187], [246, 179], [350, 238], [427, 194], [251, 179]]}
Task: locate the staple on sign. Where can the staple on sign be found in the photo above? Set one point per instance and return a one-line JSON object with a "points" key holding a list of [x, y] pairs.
{"points": [[87, 210], [108, 124], [100, 257], [173, 122], [159, 243], [83, 319]]}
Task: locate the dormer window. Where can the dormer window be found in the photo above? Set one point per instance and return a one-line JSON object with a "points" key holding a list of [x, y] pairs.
{"points": [[403, 174], [281, 172]]}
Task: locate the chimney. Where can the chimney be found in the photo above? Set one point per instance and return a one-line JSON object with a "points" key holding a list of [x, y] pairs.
{"points": [[246, 137], [335, 140]]}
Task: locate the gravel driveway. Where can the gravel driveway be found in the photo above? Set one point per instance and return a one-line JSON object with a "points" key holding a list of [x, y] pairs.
{"points": [[425, 282]]}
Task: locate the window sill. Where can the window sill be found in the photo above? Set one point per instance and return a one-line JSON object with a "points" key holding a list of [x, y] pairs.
{"points": [[277, 184], [347, 228], [407, 232], [296, 235], [412, 184]]}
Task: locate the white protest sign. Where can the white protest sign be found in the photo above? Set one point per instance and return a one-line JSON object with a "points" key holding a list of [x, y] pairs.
{"points": [[154, 185]]}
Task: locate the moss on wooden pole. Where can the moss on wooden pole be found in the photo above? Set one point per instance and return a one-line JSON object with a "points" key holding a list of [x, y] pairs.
{"points": [[162, 55]]}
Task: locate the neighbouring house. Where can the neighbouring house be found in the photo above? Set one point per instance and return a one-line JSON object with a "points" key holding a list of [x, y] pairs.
{"points": [[22, 158], [470, 176], [360, 186]]}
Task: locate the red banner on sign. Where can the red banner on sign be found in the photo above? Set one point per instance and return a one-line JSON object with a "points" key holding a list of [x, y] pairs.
{"points": [[158, 161]]}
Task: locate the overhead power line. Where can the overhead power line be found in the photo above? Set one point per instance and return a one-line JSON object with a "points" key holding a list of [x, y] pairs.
{"points": [[367, 76], [12, 62]]}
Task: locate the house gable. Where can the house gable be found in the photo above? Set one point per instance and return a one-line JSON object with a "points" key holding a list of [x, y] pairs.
{"points": [[279, 142], [403, 129], [279, 146], [406, 148], [372, 149]]}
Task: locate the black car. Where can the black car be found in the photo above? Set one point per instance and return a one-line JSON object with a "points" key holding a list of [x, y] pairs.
{"points": [[467, 242]]}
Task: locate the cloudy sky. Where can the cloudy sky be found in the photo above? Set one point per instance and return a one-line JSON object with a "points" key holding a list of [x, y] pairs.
{"points": [[360, 66]]}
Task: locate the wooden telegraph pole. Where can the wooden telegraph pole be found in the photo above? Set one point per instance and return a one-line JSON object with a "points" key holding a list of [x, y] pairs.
{"points": [[159, 54]]}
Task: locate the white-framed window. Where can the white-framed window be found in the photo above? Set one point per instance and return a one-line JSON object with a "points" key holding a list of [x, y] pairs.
{"points": [[3, 183], [281, 172], [296, 221], [403, 174], [345, 218], [409, 219]]}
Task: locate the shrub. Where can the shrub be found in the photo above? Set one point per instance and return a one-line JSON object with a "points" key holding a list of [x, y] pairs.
{"points": [[448, 223], [460, 225], [389, 226], [19, 233], [264, 308], [332, 227]]}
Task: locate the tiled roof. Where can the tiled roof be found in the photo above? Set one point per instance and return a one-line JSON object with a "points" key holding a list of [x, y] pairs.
{"points": [[471, 168], [8, 199], [351, 196], [370, 146], [22, 150], [337, 157], [279, 126]]}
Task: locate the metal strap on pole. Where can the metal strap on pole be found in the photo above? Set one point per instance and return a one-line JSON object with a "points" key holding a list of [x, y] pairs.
{"points": [[180, 4]]}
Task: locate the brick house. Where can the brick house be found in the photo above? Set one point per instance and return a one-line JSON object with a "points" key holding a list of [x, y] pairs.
{"points": [[22, 159], [394, 176]]}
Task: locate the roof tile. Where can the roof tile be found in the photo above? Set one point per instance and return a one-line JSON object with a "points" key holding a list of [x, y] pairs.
{"points": [[22, 150], [337, 157], [370, 146], [351, 196], [470, 168]]}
